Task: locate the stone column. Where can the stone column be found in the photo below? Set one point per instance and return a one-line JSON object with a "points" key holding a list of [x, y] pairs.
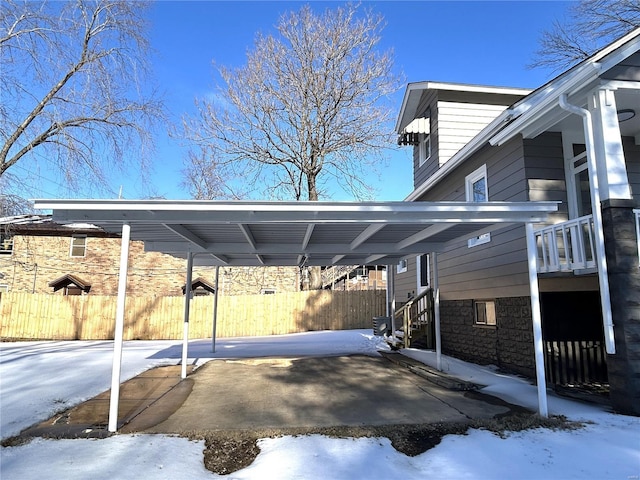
{"points": [[624, 281]]}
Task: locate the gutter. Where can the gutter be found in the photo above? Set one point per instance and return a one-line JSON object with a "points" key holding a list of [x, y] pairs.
{"points": [[603, 278]]}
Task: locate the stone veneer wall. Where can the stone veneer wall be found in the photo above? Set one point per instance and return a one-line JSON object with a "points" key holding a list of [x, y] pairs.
{"points": [[508, 345]]}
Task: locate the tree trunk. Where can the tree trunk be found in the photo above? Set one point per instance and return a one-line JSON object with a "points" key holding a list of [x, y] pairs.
{"points": [[315, 273]]}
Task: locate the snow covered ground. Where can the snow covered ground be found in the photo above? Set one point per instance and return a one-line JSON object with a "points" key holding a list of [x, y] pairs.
{"points": [[40, 378]]}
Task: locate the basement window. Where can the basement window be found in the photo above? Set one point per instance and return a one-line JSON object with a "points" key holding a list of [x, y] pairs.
{"points": [[485, 312]]}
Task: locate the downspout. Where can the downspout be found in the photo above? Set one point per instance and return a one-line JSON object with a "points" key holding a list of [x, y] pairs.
{"points": [[603, 277]]}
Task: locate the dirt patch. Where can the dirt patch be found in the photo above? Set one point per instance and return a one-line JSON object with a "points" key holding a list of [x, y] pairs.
{"points": [[229, 451]]}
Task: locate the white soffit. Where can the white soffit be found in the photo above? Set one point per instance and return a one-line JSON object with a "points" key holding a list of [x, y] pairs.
{"points": [[242, 233]]}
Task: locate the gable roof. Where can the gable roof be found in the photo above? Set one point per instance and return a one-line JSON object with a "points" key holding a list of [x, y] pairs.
{"points": [[69, 280], [200, 283], [413, 93], [532, 115]]}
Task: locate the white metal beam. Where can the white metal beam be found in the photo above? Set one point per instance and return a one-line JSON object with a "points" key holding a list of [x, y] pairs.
{"points": [[538, 344], [367, 234], [423, 235], [187, 302], [188, 235], [114, 398], [307, 236]]}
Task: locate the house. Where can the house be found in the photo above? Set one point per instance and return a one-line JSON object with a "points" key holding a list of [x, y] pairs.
{"points": [[38, 255], [574, 140]]}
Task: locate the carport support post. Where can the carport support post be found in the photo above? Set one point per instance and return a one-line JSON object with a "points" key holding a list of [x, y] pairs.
{"points": [[391, 298], [538, 345], [187, 301], [119, 328], [436, 311], [215, 311]]}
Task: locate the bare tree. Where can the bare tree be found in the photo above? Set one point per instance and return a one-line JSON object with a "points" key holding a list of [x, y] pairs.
{"points": [[590, 25], [73, 93], [311, 105]]}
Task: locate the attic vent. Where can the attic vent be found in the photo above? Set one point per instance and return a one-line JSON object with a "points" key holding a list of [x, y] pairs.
{"points": [[411, 133]]}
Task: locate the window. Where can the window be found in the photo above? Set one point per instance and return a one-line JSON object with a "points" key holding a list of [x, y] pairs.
{"points": [[424, 271], [78, 246], [424, 147], [6, 244], [4, 288], [476, 190], [476, 185], [485, 312], [402, 266]]}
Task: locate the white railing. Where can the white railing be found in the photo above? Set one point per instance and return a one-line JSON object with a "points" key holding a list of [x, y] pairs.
{"points": [[637, 214], [567, 246]]}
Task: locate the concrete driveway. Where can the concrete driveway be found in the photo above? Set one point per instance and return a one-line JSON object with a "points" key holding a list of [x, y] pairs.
{"points": [[355, 390]]}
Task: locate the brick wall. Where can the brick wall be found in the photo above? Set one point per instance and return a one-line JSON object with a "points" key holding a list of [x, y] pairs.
{"points": [[508, 345], [37, 260]]}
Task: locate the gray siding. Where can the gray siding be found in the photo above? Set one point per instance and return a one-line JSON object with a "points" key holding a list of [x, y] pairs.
{"points": [[520, 170], [497, 268], [406, 282], [428, 102]]}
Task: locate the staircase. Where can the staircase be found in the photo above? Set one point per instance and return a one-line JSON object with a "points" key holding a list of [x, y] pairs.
{"points": [[332, 274], [416, 325]]}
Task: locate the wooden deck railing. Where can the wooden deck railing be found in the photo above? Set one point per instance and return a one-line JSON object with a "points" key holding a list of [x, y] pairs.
{"points": [[415, 320]]}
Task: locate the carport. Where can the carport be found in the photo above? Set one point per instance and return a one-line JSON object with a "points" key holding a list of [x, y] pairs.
{"points": [[244, 233]]}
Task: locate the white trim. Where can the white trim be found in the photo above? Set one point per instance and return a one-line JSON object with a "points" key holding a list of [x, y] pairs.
{"points": [[424, 148]]}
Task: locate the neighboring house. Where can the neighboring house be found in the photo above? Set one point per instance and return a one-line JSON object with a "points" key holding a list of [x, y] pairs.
{"points": [[354, 277], [38, 255], [575, 140]]}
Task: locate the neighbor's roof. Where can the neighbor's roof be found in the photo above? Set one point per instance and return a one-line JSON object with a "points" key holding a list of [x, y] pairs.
{"points": [[241, 233]]}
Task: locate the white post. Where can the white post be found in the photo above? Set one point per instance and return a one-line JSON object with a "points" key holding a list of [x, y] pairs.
{"points": [[538, 344], [215, 311], [436, 311], [119, 328], [603, 275], [187, 301], [391, 285]]}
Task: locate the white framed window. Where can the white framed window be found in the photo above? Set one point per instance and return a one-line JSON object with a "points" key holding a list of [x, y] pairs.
{"points": [[424, 147], [476, 185], [78, 246], [402, 266], [485, 312], [4, 287], [6, 244], [477, 190]]}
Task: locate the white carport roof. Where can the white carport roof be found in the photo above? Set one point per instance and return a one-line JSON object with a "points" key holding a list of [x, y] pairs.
{"points": [[243, 233], [299, 233]]}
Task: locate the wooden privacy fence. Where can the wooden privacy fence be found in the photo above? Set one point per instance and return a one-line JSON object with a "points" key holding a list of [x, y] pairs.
{"points": [[89, 317]]}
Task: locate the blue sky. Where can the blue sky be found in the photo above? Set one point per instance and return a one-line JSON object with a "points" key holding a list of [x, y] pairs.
{"points": [[454, 41]]}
